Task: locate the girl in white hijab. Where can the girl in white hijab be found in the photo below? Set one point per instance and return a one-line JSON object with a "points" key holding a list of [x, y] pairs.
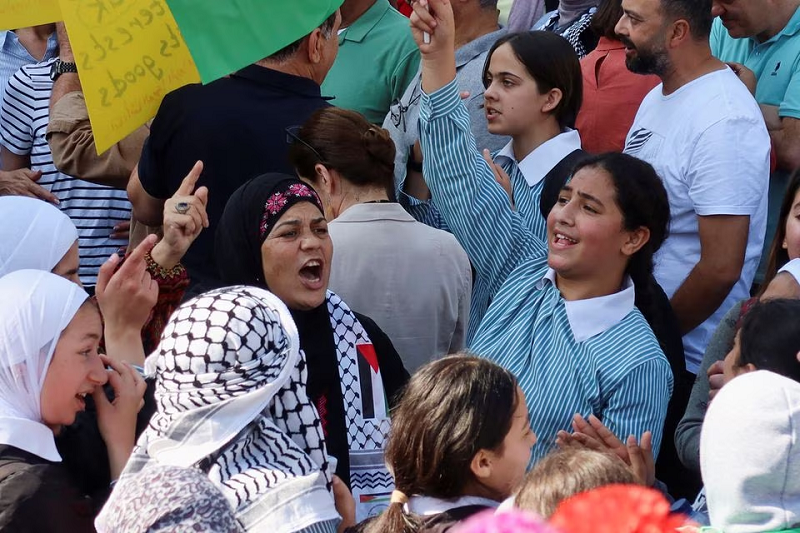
{"points": [[49, 335], [37, 235]]}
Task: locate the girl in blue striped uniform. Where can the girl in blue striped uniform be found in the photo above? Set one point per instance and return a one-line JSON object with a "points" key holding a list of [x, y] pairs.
{"points": [[563, 322], [540, 125]]}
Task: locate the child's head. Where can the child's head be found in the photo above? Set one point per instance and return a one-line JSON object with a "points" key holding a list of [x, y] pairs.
{"points": [[769, 339], [786, 244], [461, 428], [529, 77], [564, 473], [610, 217]]}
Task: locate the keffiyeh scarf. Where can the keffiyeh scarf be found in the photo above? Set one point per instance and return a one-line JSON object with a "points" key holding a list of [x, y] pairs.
{"points": [[366, 410], [231, 397], [574, 31], [250, 214]]}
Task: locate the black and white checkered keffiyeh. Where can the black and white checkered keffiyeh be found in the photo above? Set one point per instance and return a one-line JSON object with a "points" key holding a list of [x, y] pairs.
{"points": [[231, 396], [366, 410], [574, 32]]}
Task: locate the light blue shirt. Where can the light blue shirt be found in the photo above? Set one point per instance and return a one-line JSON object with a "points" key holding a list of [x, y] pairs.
{"points": [[775, 62], [527, 182], [596, 356], [14, 56]]}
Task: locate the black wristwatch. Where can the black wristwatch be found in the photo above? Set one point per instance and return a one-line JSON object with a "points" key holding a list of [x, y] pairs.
{"points": [[60, 67]]}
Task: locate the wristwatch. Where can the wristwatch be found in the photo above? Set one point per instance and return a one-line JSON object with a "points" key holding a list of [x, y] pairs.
{"points": [[60, 67]]}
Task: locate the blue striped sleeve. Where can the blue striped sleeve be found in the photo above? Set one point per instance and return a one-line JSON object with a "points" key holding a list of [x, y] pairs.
{"points": [[639, 402], [464, 190]]}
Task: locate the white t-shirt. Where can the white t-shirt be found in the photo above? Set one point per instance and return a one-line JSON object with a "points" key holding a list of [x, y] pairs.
{"points": [[710, 146]]}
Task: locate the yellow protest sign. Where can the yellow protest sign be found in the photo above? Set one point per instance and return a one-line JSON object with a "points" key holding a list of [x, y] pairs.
{"points": [[23, 13], [130, 54]]}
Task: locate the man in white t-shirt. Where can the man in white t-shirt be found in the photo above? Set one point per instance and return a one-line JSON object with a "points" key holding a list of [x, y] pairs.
{"points": [[704, 134]]}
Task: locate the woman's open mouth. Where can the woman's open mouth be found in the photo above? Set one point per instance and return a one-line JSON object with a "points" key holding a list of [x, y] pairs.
{"points": [[311, 274]]}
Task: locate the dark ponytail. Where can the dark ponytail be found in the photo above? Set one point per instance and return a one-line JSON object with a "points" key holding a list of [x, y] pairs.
{"points": [[450, 409], [643, 202], [344, 141]]}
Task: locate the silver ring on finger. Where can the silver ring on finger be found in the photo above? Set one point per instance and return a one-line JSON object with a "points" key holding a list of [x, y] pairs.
{"points": [[182, 208]]}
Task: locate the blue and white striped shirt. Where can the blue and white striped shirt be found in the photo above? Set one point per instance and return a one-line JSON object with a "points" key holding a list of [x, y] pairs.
{"points": [[94, 209], [588, 365], [527, 182]]}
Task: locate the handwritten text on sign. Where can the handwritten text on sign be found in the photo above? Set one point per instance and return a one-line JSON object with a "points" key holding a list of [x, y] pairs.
{"points": [[130, 54], [23, 13]]}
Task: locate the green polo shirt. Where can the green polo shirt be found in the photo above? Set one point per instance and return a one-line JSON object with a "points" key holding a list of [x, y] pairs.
{"points": [[776, 63], [377, 60]]}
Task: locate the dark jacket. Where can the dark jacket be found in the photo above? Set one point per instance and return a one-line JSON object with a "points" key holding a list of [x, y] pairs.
{"points": [[38, 496]]}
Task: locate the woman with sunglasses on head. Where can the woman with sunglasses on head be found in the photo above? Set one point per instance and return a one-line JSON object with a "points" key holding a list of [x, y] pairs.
{"points": [[562, 316], [273, 234], [413, 280]]}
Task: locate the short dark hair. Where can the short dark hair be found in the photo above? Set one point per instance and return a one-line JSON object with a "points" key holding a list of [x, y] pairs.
{"points": [[553, 63], [291, 49], [361, 152], [605, 19], [488, 4], [770, 339], [696, 12]]}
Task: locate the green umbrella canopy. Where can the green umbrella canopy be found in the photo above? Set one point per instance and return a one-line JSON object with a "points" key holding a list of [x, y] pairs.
{"points": [[224, 36]]}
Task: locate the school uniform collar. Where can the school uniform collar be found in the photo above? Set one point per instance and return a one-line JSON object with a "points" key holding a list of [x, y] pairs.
{"points": [[428, 506], [538, 163], [32, 437], [371, 212], [594, 316], [361, 27]]}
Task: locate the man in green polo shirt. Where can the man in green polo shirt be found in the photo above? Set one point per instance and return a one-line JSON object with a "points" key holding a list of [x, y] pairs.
{"points": [[377, 59], [764, 36]]}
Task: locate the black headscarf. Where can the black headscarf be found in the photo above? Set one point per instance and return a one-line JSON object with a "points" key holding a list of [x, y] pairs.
{"points": [[250, 214]]}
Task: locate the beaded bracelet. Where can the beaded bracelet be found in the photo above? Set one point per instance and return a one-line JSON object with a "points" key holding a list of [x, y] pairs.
{"points": [[160, 272]]}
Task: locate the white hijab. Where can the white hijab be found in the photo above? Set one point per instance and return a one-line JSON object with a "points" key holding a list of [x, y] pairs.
{"points": [[37, 307], [750, 454], [33, 234]]}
